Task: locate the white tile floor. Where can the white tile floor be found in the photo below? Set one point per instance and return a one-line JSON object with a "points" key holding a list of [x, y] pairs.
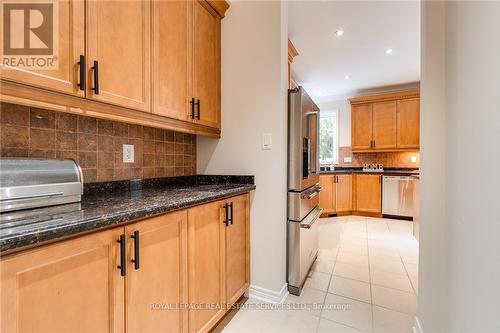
{"points": [[367, 265]]}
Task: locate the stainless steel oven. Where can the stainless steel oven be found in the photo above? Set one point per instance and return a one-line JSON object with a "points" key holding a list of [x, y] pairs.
{"points": [[303, 187]]}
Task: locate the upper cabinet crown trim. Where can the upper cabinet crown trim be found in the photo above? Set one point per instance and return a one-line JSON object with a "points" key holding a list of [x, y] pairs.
{"points": [[220, 6], [385, 97], [292, 51]]}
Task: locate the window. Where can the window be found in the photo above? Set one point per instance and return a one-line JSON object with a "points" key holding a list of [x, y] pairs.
{"points": [[328, 137]]}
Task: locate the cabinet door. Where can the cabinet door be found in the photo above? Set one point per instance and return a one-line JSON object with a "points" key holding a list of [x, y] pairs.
{"points": [[368, 193], [408, 123], [361, 118], [71, 44], [205, 265], [344, 193], [161, 278], [118, 37], [172, 58], [384, 125], [237, 249], [71, 286], [207, 63], [327, 195]]}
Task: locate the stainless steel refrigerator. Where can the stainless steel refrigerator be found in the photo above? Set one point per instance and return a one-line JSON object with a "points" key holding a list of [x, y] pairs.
{"points": [[303, 187]]}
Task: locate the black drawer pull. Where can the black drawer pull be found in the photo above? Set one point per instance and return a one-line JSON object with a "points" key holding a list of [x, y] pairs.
{"points": [[96, 77], [122, 267], [192, 108], [135, 237], [198, 107], [231, 205], [81, 84], [226, 216]]}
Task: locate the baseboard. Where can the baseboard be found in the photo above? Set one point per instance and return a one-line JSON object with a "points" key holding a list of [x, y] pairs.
{"points": [[268, 296], [416, 327]]}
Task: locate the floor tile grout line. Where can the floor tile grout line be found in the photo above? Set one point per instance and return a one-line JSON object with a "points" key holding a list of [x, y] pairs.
{"points": [[371, 293]]}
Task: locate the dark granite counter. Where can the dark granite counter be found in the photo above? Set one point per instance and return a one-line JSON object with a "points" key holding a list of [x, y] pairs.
{"points": [[106, 205], [386, 172]]}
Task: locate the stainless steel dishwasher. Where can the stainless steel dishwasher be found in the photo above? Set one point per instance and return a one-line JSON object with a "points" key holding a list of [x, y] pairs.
{"points": [[397, 196]]}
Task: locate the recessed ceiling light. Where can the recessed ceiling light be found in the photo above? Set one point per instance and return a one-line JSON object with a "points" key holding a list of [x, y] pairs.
{"points": [[347, 77], [339, 32], [388, 51]]}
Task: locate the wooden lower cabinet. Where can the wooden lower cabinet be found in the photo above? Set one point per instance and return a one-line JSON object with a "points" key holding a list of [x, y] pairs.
{"points": [[71, 286], [160, 279], [327, 195], [344, 193], [368, 191], [189, 256]]}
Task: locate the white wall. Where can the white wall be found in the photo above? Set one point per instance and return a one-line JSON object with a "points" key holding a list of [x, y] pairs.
{"points": [[344, 119], [254, 101], [459, 278]]}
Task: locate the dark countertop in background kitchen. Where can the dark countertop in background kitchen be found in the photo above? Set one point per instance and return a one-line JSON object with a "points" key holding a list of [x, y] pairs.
{"points": [[111, 204], [386, 172]]}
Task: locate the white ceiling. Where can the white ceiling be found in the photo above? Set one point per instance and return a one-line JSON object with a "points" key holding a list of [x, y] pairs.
{"points": [[370, 28]]}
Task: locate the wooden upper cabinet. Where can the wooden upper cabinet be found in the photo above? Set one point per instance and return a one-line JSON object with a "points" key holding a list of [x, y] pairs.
{"points": [[327, 195], [206, 69], [344, 193], [361, 126], [206, 254], [172, 58], [71, 44], [368, 193], [237, 251], [408, 117], [118, 38], [71, 286], [161, 276], [384, 125]]}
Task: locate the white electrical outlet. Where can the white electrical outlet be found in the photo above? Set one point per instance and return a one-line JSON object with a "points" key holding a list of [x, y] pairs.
{"points": [[267, 141], [128, 153], [413, 159], [347, 159]]}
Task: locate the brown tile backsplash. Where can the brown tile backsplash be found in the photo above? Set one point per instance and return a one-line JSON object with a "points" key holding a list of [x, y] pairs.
{"points": [[389, 160], [97, 145]]}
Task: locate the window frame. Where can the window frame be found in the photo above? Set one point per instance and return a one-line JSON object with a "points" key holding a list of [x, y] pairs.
{"points": [[325, 114]]}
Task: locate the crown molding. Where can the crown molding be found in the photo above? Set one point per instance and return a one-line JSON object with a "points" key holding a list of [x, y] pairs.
{"points": [[220, 6], [385, 97], [292, 51]]}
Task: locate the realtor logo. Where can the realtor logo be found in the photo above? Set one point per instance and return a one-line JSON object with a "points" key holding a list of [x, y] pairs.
{"points": [[30, 34]]}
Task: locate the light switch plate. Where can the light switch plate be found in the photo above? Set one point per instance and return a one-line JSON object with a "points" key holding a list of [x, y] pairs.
{"points": [[267, 141], [347, 159], [128, 153], [413, 159]]}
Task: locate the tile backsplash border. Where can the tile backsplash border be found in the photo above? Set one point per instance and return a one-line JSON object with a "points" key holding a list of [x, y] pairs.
{"points": [[96, 144]]}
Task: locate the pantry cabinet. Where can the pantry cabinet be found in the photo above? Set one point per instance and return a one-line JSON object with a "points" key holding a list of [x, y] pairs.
{"points": [[387, 122], [368, 193], [65, 76], [71, 286], [136, 278]]}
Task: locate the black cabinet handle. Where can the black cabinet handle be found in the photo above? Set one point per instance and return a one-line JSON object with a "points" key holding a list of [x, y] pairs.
{"points": [[192, 108], [135, 237], [122, 267], [96, 77], [81, 84], [198, 107], [226, 216], [231, 205]]}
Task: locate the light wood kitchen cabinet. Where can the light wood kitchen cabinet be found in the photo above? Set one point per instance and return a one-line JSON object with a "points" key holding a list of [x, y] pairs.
{"points": [[172, 46], [387, 122], [70, 286], [118, 53], [206, 69], [344, 193], [361, 127], [408, 117], [327, 199], [237, 251], [384, 125], [71, 45], [368, 191], [157, 274], [206, 255]]}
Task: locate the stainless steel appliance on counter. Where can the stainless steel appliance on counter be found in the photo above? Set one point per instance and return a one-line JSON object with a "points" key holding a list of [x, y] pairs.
{"points": [[397, 196], [34, 182], [303, 187]]}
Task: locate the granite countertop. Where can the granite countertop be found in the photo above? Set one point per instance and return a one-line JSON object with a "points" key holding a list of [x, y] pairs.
{"points": [[386, 172], [106, 205]]}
